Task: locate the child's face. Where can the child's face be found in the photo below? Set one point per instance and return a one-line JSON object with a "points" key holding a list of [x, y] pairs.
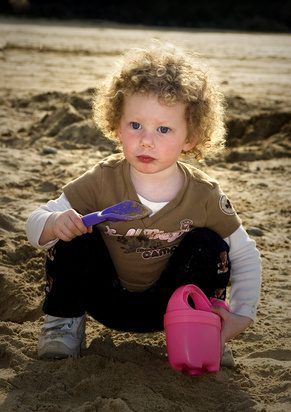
{"points": [[152, 134]]}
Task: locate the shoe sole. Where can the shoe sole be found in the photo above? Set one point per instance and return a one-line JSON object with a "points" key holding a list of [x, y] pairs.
{"points": [[57, 350]]}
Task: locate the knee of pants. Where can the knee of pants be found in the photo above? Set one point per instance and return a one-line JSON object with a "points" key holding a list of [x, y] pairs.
{"points": [[83, 253], [202, 258]]}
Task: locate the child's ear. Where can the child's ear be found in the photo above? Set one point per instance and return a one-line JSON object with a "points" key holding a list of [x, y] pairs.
{"points": [[190, 144]]}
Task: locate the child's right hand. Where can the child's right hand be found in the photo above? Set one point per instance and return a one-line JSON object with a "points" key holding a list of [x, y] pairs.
{"points": [[65, 226]]}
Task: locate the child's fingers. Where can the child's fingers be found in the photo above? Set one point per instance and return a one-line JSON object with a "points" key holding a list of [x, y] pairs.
{"points": [[223, 313], [69, 225], [71, 221], [64, 234], [64, 228], [88, 229], [69, 229], [76, 224]]}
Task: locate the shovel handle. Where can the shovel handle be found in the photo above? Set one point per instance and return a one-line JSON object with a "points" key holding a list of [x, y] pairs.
{"points": [[92, 219]]}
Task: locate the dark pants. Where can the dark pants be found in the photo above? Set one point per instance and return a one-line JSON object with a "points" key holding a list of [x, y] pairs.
{"points": [[81, 278]]}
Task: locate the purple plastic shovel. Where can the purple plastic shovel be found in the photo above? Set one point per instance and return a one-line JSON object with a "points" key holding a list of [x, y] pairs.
{"points": [[126, 210]]}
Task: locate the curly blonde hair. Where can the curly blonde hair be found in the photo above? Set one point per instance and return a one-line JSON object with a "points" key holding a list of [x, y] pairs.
{"points": [[174, 76]]}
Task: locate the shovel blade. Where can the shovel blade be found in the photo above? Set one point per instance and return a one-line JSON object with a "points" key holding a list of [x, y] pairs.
{"points": [[126, 210]]}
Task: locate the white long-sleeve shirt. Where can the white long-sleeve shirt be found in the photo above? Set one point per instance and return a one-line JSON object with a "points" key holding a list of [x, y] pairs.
{"points": [[245, 260]]}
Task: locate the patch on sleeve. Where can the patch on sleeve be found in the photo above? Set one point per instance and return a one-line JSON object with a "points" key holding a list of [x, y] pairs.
{"points": [[225, 205]]}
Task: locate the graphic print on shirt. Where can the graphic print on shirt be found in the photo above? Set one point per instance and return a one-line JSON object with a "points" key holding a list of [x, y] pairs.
{"points": [[222, 266], [150, 243], [225, 205]]}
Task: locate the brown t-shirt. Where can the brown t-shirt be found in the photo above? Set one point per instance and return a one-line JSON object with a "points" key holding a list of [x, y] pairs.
{"points": [[141, 248]]}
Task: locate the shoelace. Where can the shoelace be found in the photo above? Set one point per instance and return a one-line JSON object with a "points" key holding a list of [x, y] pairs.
{"points": [[59, 324], [58, 327]]}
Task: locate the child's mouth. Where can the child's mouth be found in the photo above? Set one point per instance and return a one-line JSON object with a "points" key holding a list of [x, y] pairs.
{"points": [[145, 159]]}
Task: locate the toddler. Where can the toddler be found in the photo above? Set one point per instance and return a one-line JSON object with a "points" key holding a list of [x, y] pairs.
{"points": [[159, 106]]}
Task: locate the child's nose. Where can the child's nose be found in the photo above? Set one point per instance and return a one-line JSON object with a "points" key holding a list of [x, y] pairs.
{"points": [[147, 139]]}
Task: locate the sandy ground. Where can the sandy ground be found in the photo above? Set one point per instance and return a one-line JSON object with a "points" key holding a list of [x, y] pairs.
{"points": [[48, 72]]}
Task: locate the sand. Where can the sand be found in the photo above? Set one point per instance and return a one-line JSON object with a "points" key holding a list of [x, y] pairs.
{"points": [[48, 73]]}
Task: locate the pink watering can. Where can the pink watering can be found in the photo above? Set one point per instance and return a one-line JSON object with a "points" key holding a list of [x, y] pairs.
{"points": [[193, 331]]}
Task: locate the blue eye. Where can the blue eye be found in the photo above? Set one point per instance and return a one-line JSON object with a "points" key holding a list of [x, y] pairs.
{"points": [[163, 129], [135, 125]]}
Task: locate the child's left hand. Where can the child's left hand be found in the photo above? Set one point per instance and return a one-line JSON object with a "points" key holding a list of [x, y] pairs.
{"points": [[232, 325]]}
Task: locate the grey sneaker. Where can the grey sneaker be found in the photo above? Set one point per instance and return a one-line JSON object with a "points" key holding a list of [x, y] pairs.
{"points": [[61, 337]]}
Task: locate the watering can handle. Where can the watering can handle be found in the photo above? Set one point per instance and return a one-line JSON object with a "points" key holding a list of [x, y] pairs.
{"points": [[179, 299], [201, 301]]}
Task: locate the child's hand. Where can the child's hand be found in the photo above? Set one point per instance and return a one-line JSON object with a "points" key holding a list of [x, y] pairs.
{"points": [[232, 325], [65, 226]]}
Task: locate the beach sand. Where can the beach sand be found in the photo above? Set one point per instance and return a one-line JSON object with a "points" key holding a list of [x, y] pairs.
{"points": [[48, 74]]}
